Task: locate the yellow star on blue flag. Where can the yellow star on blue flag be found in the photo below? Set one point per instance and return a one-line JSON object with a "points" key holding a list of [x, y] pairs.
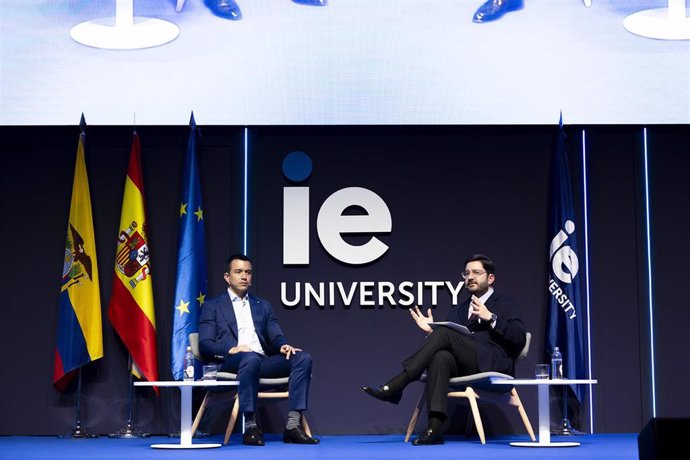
{"points": [[183, 307]]}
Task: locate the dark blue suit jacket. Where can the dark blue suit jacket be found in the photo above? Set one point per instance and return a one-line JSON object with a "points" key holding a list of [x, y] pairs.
{"points": [[497, 347], [218, 327]]}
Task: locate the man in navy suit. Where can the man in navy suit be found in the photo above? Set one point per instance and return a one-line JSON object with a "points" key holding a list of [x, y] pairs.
{"points": [[498, 336], [241, 331]]}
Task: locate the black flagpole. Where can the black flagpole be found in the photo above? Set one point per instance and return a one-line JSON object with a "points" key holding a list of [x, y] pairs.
{"points": [[78, 431], [129, 431]]}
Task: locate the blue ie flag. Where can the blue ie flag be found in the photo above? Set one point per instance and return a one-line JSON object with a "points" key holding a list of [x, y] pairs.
{"points": [[191, 282], [565, 310]]}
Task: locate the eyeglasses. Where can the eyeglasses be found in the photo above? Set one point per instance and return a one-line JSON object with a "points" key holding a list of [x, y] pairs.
{"points": [[467, 273]]}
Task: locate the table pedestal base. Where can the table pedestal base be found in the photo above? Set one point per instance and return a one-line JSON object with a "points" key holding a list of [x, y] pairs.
{"points": [[659, 23], [185, 387], [185, 446], [544, 414], [545, 444], [142, 33]]}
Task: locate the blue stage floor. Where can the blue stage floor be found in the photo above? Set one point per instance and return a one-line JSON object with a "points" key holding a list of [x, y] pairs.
{"points": [[600, 446]]}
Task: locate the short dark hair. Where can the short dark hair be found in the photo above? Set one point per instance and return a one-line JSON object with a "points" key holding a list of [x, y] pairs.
{"points": [[486, 262], [235, 257]]}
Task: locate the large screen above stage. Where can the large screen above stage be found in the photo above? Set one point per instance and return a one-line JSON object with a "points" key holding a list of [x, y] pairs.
{"points": [[349, 62]]}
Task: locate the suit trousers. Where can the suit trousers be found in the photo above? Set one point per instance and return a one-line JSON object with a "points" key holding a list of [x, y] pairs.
{"points": [[444, 354], [250, 367]]}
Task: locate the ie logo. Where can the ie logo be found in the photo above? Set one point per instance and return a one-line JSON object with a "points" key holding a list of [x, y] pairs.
{"points": [[564, 262]]}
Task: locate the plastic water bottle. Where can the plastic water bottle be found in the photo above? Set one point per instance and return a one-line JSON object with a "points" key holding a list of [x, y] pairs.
{"points": [[556, 364], [189, 364]]}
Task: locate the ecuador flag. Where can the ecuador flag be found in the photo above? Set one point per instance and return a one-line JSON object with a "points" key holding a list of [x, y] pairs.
{"points": [[79, 334], [131, 310]]}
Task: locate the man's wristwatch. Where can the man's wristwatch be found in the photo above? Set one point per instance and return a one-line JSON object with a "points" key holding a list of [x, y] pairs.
{"points": [[493, 318]]}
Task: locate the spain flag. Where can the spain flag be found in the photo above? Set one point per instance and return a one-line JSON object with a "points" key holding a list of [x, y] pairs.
{"points": [[79, 338], [131, 310]]}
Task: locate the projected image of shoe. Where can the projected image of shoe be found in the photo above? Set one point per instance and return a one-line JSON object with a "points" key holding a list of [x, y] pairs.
{"points": [[226, 9], [312, 2], [495, 9]]}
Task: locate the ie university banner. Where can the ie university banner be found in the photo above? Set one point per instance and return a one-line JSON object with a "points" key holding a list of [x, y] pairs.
{"points": [[565, 311]]}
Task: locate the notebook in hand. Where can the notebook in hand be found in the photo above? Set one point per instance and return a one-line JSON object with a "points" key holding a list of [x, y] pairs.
{"points": [[455, 326]]}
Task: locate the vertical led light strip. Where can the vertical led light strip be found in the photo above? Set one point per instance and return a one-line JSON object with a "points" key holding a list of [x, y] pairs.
{"points": [[244, 198], [589, 323], [649, 273]]}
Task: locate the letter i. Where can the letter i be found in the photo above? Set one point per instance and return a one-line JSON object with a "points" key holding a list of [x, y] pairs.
{"points": [[295, 225]]}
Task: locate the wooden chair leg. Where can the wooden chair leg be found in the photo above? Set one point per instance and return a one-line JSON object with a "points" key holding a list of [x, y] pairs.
{"points": [[305, 425], [233, 419], [472, 398], [523, 414], [200, 413], [415, 415]]}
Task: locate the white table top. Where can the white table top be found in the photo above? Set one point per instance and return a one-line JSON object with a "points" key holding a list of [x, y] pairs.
{"points": [[500, 381], [187, 383]]}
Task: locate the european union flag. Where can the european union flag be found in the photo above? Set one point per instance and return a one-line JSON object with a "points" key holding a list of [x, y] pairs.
{"points": [[191, 282], [565, 310]]}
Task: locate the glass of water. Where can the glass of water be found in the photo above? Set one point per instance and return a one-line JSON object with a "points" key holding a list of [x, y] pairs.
{"points": [[210, 371], [541, 371]]}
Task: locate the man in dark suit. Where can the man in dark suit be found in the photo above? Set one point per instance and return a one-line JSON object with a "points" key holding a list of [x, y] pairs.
{"points": [[498, 336], [240, 331]]}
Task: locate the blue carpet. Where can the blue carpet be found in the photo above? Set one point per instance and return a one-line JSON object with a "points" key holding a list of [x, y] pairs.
{"points": [[608, 446]]}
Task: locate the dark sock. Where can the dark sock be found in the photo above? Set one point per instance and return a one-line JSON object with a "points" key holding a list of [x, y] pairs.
{"points": [[436, 420], [294, 419], [249, 420], [399, 382]]}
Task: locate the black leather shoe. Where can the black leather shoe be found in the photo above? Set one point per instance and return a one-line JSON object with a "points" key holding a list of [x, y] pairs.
{"points": [[429, 438], [297, 435], [495, 9], [253, 437], [226, 9], [383, 393]]}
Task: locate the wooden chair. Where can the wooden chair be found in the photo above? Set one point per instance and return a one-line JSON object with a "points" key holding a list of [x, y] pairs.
{"points": [[269, 389], [478, 388]]}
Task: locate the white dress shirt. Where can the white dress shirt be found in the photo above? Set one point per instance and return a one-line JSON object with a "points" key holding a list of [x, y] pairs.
{"points": [[483, 300], [245, 323]]}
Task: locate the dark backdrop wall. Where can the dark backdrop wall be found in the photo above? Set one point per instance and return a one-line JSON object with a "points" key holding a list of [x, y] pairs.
{"points": [[451, 191]]}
